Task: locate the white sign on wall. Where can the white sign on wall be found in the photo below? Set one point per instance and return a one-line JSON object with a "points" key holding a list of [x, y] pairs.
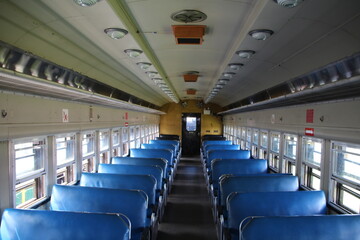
{"points": [[65, 115]]}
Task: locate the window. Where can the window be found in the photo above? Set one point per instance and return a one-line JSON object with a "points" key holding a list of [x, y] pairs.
{"points": [[243, 138], [311, 162], [255, 145], [104, 137], [116, 150], [263, 151], [190, 124], [346, 176], [132, 137], [248, 139], [137, 137], [30, 172], [290, 148], [125, 141], [274, 153], [65, 160], [88, 152]]}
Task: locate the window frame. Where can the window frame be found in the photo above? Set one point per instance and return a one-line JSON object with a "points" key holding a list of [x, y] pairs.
{"points": [[70, 166]]}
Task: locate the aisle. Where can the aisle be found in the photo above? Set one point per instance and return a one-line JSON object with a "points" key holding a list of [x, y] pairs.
{"points": [[188, 212]]}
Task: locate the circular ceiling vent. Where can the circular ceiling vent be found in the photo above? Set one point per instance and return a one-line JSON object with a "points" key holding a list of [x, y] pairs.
{"points": [[288, 3], [188, 16]]}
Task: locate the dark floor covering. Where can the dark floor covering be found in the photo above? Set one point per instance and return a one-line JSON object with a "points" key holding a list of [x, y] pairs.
{"points": [[188, 211]]}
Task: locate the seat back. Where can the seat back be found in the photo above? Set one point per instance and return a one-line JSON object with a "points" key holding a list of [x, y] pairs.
{"points": [[131, 203], [212, 137], [153, 153], [236, 166], [226, 154], [146, 183], [299, 203], [168, 137], [221, 147], [153, 170], [215, 142], [256, 183], [171, 147], [36, 224], [339, 227], [162, 141], [142, 161]]}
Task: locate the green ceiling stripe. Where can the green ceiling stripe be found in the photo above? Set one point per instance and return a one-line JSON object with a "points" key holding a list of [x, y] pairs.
{"points": [[123, 12]]}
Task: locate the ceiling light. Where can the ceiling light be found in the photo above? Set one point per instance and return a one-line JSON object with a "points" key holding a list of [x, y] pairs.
{"points": [[144, 65], [133, 53], [261, 34], [228, 74], [115, 33], [151, 74], [223, 81], [288, 3], [219, 86], [235, 66], [157, 80], [245, 53], [86, 3]]}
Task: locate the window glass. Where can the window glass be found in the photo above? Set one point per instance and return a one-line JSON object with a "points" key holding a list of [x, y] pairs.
{"points": [[243, 133], [346, 160], [312, 151], [264, 139], [256, 136], [29, 157], [290, 145], [275, 142], [88, 144], [190, 124], [65, 149], [104, 140], [116, 137], [248, 135]]}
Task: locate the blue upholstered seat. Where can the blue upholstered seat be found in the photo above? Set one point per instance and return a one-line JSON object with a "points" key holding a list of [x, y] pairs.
{"points": [[37, 224], [131, 203]]}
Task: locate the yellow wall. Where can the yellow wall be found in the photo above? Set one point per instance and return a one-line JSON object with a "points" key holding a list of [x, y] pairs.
{"points": [[170, 123]]}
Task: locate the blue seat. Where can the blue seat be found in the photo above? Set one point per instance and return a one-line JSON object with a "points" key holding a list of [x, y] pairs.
{"points": [[225, 154], [131, 203], [214, 142], [171, 147], [208, 148], [234, 166], [153, 170], [339, 227], [39, 224], [256, 183], [162, 141], [243, 205]]}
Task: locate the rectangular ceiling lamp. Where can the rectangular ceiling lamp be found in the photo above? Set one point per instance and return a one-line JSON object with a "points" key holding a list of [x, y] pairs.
{"points": [[190, 77], [189, 34], [191, 91]]}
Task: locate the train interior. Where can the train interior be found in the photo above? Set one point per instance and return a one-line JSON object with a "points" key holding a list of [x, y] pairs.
{"points": [[233, 109]]}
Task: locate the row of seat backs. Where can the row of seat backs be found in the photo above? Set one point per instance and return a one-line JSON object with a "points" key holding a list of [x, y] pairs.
{"points": [[211, 147], [153, 153], [161, 141], [236, 166], [215, 142], [55, 225], [146, 183], [339, 227], [131, 203], [298, 203], [168, 137], [255, 183], [171, 147], [153, 170], [212, 137], [162, 163], [226, 154]]}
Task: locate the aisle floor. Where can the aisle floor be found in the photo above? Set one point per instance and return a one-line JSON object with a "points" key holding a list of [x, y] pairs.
{"points": [[188, 212]]}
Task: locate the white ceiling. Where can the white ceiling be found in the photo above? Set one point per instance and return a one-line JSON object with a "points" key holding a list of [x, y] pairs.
{"points": [[315, 33]]}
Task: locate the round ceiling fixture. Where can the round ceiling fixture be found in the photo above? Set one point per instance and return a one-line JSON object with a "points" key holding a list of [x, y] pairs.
{"points": [[86, 3], [133, 53], [245, 53], [151, 74], [188, 16], [223, 81], [115, 33], [144, 65], [228, 74], [261, 34], [235, 66], [288, 3]]}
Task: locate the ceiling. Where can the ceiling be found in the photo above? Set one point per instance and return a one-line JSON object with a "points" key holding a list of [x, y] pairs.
{"points": [[307, 37]]}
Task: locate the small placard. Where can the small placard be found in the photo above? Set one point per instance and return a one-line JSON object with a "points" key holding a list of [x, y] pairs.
{"points": [[126, 116], [206, 112], [309, 115], [65, 115], [309, 131], [126, 124]]}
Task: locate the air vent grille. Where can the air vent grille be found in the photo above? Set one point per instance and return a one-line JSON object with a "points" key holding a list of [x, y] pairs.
{"points": [[188, 16]]}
